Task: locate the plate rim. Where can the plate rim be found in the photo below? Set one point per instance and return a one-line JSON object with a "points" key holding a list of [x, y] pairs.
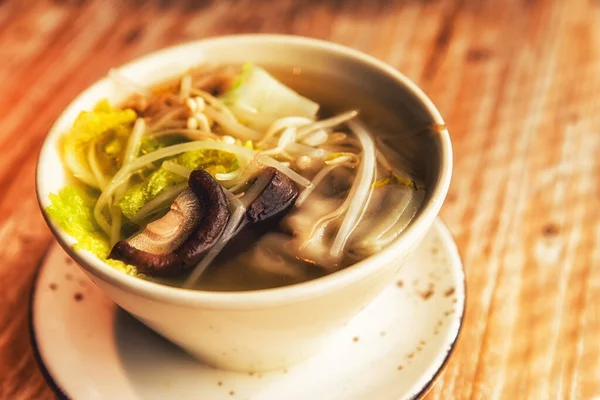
{"points": [[48, 378], [439, 223], [61, 394]]}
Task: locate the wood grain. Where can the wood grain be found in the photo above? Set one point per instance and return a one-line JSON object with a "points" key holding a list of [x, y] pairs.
{"points": [[518, 82]]}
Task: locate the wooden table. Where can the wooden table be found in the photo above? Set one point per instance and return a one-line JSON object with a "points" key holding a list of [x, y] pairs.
{"points": [[519, 85]]}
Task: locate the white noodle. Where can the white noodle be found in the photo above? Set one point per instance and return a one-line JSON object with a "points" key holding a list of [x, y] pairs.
{"points": [[319, 177], [131, 152], [373, 244], [133, 145], [79, 170], [102, 221], [95, 167], [115, 225], [336, 137], [378, 228], [115, 216], [344, 156], [360, 191], [177, 169], [303, 149], [287, 137], [231, 126], [284, 123], [229, 175], [326, 123], [247, 170], [321, 224], [316, 138]]}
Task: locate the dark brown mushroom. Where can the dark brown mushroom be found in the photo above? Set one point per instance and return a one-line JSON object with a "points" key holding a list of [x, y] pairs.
{"points": [[178, 240], [197, 219], [265, 210], [275, 200], [215, 217]]}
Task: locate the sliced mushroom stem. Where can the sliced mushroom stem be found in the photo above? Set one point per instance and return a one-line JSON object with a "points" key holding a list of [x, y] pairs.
{"points": [[169, 232]]}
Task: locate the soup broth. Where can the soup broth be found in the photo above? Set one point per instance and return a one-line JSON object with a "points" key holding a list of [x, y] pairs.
{"points": [[353, 186]]}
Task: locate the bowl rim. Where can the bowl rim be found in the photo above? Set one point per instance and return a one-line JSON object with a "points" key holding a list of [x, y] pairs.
{"points": [[274, 296]]}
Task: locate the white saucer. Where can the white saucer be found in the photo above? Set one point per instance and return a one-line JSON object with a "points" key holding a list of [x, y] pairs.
{"points": [[91, 349]]}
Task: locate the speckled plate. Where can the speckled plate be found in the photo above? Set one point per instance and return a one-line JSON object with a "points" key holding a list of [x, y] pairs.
{"points": [[91, 349]]}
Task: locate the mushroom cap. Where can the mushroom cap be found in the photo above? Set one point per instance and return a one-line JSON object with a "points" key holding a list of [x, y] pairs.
{"points": [[215, 217], [275, 200]]}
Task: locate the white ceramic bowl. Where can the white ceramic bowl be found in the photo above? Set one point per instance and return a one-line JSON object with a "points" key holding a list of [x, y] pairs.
{"points": [[274, 328]]}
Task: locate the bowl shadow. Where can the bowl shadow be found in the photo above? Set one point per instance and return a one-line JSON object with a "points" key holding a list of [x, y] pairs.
{"points": [[141, 351]]}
